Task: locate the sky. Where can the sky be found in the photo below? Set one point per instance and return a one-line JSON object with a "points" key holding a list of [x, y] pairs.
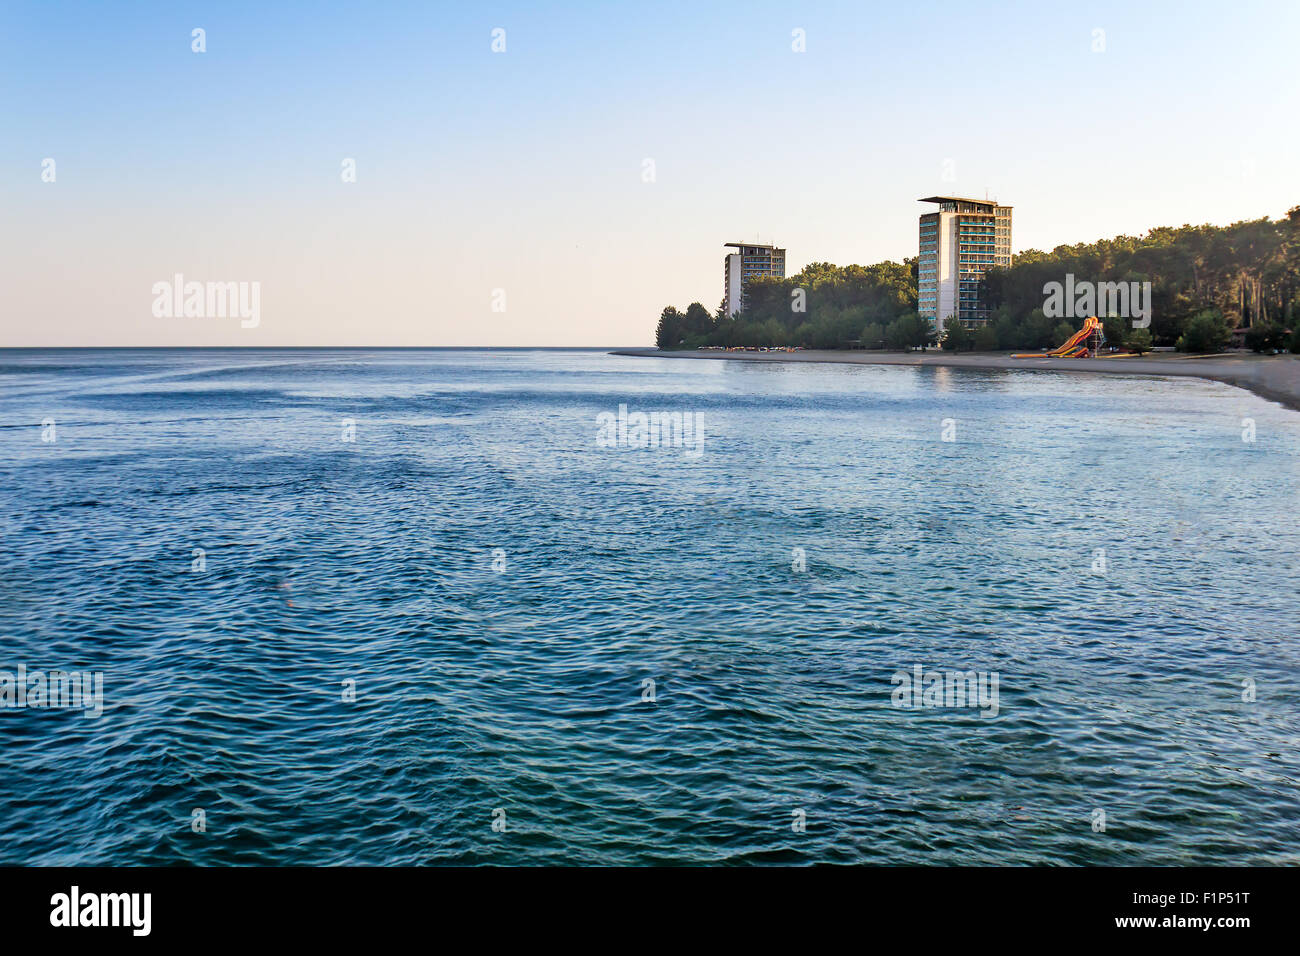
{"points": [[563, 190]]}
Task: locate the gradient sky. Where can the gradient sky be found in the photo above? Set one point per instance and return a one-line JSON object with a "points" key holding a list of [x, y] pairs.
{"points": [[522, 170]]}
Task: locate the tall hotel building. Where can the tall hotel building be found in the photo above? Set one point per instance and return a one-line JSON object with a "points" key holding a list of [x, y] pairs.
{"points": [[739, 267], [957, 244]]}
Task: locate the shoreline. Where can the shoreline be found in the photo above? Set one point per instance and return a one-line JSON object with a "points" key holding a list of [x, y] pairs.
{"points": [[1272, 377]]}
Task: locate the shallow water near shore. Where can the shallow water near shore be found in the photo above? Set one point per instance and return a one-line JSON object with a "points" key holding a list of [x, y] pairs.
{"points": [[500, 589]]}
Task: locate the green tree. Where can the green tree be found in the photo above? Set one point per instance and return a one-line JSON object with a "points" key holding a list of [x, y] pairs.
{"points": [[669, 333], [1265, 337], [873, 336], [697, 323], [1139, 340], [956, 337], [1115, 330], [1205, 332], [986, 339], [1039, 332], [907, 331]]}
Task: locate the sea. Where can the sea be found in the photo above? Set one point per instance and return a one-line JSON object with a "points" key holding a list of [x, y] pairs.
{"points": [[430, 607]]}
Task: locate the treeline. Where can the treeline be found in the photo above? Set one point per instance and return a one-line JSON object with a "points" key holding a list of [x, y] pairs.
{"points": [[1205, 282], [825, 307]]}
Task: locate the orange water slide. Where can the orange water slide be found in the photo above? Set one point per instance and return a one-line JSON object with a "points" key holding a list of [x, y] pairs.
{"points": [[1075, 346]]}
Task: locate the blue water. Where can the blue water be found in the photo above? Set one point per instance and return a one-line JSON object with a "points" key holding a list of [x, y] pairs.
{"points": [[521, 688]]}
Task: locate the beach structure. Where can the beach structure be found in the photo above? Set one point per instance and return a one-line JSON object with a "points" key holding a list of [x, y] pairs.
{"points": [[957, 245], [751, 259], [1082, 344]]}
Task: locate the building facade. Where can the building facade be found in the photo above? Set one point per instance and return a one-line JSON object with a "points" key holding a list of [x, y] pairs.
{"points": [[957, 245], [739, 267]]}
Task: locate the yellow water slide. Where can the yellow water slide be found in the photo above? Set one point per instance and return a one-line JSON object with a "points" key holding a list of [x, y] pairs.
{"points": [[1076, 346]]}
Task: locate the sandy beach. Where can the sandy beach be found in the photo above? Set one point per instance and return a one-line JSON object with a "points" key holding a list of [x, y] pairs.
{"points": [[1275, 377]]}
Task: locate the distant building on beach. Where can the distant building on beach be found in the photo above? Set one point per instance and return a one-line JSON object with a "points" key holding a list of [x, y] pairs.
{"points": [[752, 259], [957, 245]]}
